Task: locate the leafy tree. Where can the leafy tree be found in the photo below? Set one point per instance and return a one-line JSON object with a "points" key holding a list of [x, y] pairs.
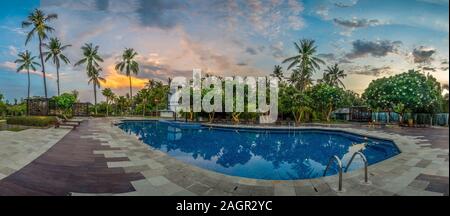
{"points": [[295, 102], [26, 62], [411, 91], [54, 52], [326, 99], [65, 102], [38, 20]]}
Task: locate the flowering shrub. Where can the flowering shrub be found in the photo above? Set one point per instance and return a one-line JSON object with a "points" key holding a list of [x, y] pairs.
{"points": [[411, 91]]}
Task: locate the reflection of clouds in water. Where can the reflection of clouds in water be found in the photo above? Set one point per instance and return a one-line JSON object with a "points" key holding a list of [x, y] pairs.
{"points": [[357, 162]]}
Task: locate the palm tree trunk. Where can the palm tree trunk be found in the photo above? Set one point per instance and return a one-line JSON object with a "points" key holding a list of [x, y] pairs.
{"points": [[57, 79], [29, 83], [95, 98], [107, 107], [131, 88], [43, 66]]}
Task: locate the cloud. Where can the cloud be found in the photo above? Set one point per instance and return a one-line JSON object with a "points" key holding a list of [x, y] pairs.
{"points": [[346, 4], [437, 2], [356, 23], [242, 64], [160, 13], [323, 12], [432, 69], [374, 48], [277, 50], [327, 56], [251, 51], [423, 54], [10, 66], [371, 71]]}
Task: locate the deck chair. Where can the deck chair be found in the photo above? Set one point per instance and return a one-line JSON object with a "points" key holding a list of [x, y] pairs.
{"points": [[67, 120], [60, 122]]}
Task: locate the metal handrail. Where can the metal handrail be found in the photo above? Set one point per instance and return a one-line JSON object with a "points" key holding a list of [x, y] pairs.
{"points": [[339, 163], [366, 178]]}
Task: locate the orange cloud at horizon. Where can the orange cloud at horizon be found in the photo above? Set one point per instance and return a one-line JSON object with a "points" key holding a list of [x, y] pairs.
{"points": [[115, 80]]}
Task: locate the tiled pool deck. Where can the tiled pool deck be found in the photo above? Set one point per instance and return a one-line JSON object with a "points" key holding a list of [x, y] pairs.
{"points": [[100, 159]]}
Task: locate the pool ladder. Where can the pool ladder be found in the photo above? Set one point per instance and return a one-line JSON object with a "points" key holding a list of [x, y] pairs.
{"points": [[339, 163]]}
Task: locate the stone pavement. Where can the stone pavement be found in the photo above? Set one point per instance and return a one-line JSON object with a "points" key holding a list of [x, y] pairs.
{"points": [[17, 149], [123, 165]]}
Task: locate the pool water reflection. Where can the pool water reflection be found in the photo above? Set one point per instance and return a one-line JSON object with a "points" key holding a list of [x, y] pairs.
{"points": [[257, 153]]}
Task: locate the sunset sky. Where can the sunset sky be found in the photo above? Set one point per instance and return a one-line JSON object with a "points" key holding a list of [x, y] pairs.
{"points": [[368, 38]]}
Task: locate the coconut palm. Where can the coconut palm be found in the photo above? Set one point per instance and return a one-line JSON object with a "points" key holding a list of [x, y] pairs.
{"points": [[54, 52], [95, 79], [90, 57], [278, 72], [26, 62], [300, 80], [306, 61], [333, 76], [38, 20], [128, 65], [109, 95]]}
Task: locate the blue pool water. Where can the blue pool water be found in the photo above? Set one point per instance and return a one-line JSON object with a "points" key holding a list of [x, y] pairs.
{"points": [[258, 153]]}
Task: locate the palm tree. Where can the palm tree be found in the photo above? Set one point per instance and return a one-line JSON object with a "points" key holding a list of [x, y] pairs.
{"points": [[333, 76], [128, 65], [300, 80], [306, 61], [54, 51], [278, 72], [91, 56], [108, 95], [94, 77], [150, 84], [26, 61], [38, 20]]}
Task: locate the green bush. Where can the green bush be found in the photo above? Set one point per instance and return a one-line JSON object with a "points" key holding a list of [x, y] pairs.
{"points": [[39, 121]]}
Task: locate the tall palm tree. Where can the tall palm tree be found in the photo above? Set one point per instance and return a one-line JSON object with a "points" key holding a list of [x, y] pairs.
{"points": [[128, 65], [54, 51], [26, 62], [306, 60], [333, 76], [91, 59], [38, 20], [109, 96], [278, 72], [95, 78]]}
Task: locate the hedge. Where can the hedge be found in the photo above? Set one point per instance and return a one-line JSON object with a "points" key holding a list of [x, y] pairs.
{"points": [[39, 121]]}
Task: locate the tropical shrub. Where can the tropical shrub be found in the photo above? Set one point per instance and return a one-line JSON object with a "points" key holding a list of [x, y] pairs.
{"points": [[38, 121], [65, 102]]}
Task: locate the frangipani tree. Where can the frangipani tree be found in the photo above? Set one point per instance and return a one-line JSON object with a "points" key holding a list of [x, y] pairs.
{"points": [[411, 91]]}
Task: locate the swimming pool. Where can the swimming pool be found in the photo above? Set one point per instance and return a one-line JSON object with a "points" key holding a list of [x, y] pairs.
{"points": [[259, 153]]}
